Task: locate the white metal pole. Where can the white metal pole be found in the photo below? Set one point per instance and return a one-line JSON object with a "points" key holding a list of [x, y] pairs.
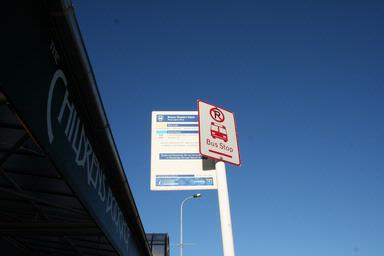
{"points": [[181, 228], [181, 224], [225, 210]]}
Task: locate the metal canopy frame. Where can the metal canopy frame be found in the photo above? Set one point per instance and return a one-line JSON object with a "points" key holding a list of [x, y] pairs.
{"points": [[39, 213]]}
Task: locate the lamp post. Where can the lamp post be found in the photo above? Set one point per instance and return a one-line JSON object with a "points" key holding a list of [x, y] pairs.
{"points": [[181, 219]]}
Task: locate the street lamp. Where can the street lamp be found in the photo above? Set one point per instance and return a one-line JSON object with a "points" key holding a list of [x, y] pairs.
{"points": [[181, 219]]}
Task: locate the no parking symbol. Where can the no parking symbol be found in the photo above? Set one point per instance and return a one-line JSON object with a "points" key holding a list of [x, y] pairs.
{"points": [[217, 114]]}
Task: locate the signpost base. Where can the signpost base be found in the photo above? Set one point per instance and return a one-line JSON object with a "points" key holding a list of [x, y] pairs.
{"points": [[225, 211]]}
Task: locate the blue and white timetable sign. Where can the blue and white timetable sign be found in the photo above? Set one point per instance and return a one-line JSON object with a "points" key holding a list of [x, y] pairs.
{"points": [[176, 163]]}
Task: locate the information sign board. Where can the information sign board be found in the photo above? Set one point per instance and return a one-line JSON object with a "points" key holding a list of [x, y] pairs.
{"points": [[175, 160]]}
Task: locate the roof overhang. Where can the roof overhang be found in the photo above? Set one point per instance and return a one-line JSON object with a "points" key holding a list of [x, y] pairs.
{"points": [[53, 113]]}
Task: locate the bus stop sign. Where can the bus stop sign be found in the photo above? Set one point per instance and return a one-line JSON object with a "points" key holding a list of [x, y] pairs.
{"points": [[217, 133]]}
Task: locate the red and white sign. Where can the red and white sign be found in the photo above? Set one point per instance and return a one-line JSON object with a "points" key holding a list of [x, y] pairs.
{"points": [[217, 133]]}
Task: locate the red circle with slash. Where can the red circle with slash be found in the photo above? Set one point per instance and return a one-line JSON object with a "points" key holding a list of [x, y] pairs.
{"points": [[217, 115]]}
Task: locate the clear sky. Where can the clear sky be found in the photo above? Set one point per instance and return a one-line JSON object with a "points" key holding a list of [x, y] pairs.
{"points": [[306, 82]]}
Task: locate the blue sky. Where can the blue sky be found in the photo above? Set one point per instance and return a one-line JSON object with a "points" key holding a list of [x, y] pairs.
{"points": [[306, 82]]}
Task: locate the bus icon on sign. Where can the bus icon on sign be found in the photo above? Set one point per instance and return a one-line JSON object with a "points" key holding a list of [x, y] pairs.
{"points": [[219, 131]]}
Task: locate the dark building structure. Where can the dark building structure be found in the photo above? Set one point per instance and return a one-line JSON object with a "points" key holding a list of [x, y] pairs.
{"points": [[63, 190], [158, 244]]}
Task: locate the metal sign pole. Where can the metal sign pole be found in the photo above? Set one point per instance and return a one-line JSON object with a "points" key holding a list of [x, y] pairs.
{"points": [[225, 210]]}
